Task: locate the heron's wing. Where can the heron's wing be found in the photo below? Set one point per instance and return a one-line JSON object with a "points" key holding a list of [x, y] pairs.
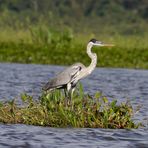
{"points": [[64, 77]]}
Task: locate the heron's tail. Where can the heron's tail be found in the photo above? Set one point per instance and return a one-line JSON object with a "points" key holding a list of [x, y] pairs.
{"points": [[46, 87]]}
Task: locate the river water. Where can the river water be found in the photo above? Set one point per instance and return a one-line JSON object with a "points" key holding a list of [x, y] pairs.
{"points": [[113, 83]]}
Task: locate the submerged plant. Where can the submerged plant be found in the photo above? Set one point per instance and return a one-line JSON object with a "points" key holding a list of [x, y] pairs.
{"points": [[54, 110]]}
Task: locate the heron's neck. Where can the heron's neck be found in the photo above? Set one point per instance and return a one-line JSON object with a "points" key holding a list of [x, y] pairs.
{"points": [[93, 57]]}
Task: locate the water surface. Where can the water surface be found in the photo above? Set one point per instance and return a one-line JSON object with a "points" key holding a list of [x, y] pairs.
{"points": [[114, 83]]}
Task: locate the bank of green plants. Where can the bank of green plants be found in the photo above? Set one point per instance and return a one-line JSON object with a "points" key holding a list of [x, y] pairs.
{"points": [[43, 45], [54, 110]]}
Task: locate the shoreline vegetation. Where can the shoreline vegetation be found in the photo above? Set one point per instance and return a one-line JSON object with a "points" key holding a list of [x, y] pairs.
{"points": [[54, 110], [42, 45], [57, 32]]}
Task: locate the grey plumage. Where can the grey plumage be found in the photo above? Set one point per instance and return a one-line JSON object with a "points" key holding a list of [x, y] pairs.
{"points": [[63, 78], [68, 78]]}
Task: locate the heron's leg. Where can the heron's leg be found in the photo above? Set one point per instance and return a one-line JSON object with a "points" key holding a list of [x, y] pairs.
{"points": [[69, 101], [65, 92], [68, 87], [71, 96], [69, 90], [72, 91], [66, 96]]}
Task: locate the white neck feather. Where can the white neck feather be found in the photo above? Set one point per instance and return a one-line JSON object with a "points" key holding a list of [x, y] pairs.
{"points": [[93, 57], [88, 70]]}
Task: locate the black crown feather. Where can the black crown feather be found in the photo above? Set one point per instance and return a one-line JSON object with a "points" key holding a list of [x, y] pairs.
{"points": [[93, 40]]}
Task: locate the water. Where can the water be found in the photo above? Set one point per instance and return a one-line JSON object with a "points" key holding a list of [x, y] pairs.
{"points": [[114, 83]]}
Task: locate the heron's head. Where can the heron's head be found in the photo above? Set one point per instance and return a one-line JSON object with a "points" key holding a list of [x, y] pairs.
{"points": [[99, 43]]}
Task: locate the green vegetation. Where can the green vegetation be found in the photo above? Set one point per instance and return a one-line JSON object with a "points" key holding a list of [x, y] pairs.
{"points": [[55, 110], [46, 46], [125, 16], [56, 32]]}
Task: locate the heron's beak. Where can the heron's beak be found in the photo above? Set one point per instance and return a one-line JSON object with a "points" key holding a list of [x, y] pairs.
{"points": [[108, 45], [104, 44]]}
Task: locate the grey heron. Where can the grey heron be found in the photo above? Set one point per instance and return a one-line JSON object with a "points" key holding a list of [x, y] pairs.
{"points": [[68, 78]]}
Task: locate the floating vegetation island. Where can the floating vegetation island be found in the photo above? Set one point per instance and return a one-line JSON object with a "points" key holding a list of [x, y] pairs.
{"points": [[54, 110]]}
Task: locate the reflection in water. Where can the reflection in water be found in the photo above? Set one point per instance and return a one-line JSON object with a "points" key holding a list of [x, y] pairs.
{"points": [[114, 83]]}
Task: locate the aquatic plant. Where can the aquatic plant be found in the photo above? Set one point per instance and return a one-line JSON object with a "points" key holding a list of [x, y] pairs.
{"points": [[54, 110]]}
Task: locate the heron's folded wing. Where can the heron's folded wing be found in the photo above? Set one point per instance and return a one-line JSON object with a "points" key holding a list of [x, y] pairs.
{"points": [[63, 78]]}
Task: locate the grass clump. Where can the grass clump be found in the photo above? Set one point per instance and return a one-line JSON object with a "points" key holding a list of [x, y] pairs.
{"points": [[54, 110]]}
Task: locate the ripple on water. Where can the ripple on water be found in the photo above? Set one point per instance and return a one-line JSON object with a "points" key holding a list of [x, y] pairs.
{"points": [[23, 135]]}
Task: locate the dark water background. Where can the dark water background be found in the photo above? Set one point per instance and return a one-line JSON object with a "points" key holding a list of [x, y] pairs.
{"points": [[113, 83]]}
